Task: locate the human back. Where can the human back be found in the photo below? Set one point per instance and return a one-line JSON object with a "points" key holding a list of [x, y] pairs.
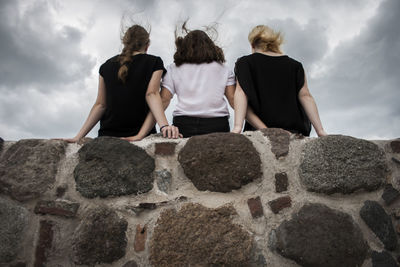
{"points": [[272, 89], [200, 80]]}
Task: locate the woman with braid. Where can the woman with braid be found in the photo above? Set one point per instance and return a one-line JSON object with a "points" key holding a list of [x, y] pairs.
{"points": [[129, 88]]}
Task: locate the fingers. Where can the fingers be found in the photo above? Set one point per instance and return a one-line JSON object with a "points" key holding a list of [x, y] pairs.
{"points": [[171, 132]]}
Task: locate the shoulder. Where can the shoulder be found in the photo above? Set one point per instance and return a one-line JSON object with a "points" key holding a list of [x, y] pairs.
{"points": [[294, 61], [246, 58]]}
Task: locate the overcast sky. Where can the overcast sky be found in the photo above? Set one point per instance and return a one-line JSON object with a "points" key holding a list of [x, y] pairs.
{"points": [[50, 53]]}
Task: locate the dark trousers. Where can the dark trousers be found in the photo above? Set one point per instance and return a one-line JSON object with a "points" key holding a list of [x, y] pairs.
{"points": [[190, 126]]}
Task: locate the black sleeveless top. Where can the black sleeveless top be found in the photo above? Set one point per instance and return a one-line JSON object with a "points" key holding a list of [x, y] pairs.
{"points": [[126, 107], [272, 84]]}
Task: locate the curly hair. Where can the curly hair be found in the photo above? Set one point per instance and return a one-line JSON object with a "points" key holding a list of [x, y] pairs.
{"points": [[196, 47], [136, 38]]}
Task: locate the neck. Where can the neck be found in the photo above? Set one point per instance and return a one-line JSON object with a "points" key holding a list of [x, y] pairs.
{"points": [[139, 52], [269, 53]]}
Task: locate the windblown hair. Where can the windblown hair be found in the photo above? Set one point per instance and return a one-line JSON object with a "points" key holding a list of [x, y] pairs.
{"points": [[266, 39], [196, 47], [135, 39]]}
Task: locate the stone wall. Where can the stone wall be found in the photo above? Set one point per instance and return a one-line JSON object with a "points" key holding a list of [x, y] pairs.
{"points": [[265, 198]]}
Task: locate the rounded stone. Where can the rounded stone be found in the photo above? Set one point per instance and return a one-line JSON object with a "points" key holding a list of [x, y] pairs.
{"points": [[198, 236], [100, 237], [110, 166], [320, 236], [13, 220], [342, 164], [220, 162], [29, 167]]}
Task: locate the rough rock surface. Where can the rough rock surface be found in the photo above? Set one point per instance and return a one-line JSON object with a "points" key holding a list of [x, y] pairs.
{"points": [[395, 145], [342, 164], [165, 149], [1, 143], [113, 167], [100, 237], [164, 180], [380, 223], [390, 194], [281, 182], [198, 236], [220, 162], [280, 140], [332, 238], [58, 207], [28, 168], [383, 259], [13, 220]]}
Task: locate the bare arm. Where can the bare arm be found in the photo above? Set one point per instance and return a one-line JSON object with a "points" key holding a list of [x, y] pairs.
{"points": [[230, 94], [310, 107], [153, 99], [95, 113], [166, 97], [242, 111]]}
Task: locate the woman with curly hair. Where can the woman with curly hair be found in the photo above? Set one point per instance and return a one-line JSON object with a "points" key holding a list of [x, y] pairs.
{"points": [[200, 80]]}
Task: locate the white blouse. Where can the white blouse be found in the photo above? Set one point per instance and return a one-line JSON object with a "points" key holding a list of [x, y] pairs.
{"points": [[200, 88]]}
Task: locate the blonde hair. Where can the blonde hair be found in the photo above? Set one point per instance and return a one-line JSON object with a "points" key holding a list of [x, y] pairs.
{"points": [[266, 39]]}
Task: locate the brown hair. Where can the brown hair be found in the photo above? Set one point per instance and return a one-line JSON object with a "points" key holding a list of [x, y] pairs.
{"points": [[135, 39], [266, 39], [196, 47]]}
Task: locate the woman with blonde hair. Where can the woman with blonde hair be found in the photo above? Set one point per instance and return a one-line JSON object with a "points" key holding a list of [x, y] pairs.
{"points": [[129, 88], [200, 80], [271, 88]]}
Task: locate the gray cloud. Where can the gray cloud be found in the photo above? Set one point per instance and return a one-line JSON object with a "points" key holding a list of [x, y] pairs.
{"points": [[33, 51], [360, 92]]}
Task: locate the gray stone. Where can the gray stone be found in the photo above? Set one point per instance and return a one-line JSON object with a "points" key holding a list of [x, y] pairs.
{"points": [[198, 236], [13, 221], [280, 140], [163, 179], [383, 259], [29, 167], [110, 166], [320, 236], [390, 194], [1, 144], [100, 237], [342, 164], [380, 223], [220, 162]]}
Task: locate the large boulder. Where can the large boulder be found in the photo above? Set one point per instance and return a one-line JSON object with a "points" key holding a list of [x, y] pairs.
{"points": [[113, 167], [100, 237], [13, 221], [220, 162], [320, 236], [29, 167], [342, 164], [198, 236]]}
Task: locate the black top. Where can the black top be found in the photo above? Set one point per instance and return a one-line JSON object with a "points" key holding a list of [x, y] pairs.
{"points": [[126, 104], [272, 84]]}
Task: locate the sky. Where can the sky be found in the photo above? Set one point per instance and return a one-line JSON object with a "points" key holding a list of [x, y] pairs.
{"points": [[50, 53]]}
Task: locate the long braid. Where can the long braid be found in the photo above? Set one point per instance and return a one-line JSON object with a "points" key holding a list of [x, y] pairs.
{"points": [[135, 39]]}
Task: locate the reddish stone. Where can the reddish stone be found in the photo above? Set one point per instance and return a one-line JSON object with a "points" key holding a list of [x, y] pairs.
{"points": [[58, 208], [280, 203], [255, 207], [165, 149], [140, 238], [281, 182], [395, 145], [280, 140], [131, 263], [44, 243]]}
